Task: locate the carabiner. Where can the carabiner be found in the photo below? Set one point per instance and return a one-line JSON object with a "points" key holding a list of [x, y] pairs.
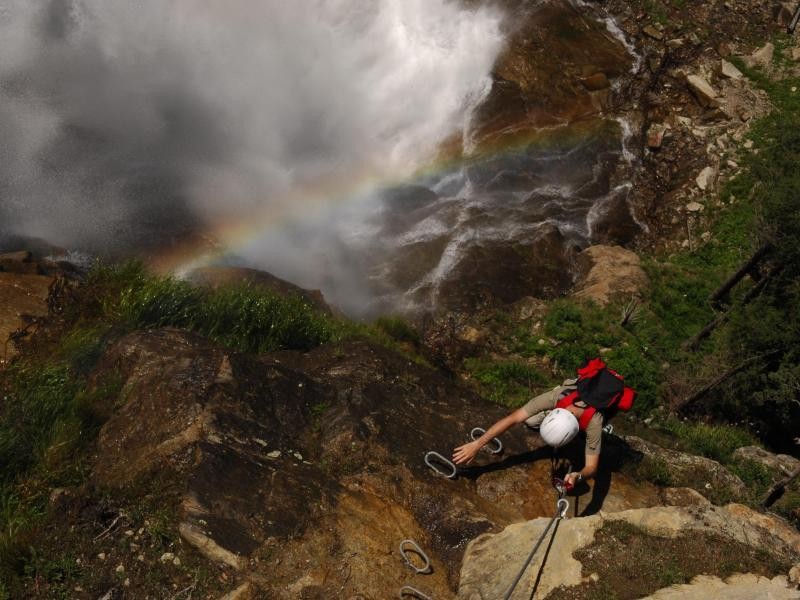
{"points": [[407, 590], [444, 461], [417, 550], [478, 432], [563, 506]]}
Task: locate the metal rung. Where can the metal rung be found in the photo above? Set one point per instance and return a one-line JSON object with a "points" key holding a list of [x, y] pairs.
{"points": [[441, 459], [407, 590], [417, 550], [478, 432]]}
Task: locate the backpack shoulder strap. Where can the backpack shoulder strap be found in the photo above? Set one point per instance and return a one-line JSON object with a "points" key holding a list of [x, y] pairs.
{"points": [[587, 415], [567, 400]]}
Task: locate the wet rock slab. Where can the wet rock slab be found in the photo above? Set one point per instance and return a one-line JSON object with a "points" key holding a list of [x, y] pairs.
{"points": [[316, 458], [492, 561]]}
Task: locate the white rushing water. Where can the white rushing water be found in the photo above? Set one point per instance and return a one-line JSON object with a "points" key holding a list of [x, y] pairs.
{"points": [[116, 113]]}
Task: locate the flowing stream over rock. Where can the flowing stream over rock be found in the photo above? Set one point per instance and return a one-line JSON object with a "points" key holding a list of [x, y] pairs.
{"points": [[399, 155]]}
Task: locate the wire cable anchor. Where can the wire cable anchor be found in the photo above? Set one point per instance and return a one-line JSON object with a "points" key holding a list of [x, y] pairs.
{"points": [[407, 591], [414, 547], [478, 432], [434, 458]]}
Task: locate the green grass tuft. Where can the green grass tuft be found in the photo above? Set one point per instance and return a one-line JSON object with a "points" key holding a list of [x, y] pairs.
{"points": [[506, 382], [717, 442]]}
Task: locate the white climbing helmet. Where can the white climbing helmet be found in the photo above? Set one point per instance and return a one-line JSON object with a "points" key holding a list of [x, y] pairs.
{"points": [[558, 427]]}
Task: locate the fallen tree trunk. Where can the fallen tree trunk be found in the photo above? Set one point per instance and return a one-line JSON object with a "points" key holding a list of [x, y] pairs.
{"points": [[724, 377], [694, 342], [776, 491], [722, 291], [719, 380]]}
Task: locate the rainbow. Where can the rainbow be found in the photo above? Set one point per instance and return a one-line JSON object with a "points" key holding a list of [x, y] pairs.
{"points": [[228, 236]]}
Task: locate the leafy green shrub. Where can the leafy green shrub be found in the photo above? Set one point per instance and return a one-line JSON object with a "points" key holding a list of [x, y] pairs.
{"points": [[754, 475], [398, 329], [655, 470]]}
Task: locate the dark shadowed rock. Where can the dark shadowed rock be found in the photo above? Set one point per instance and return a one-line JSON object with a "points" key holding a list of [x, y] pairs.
{"points": [[615, 224], [510, 271]]}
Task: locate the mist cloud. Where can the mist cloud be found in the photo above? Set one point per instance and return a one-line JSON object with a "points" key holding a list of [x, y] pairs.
{"points": [[120, 117]]}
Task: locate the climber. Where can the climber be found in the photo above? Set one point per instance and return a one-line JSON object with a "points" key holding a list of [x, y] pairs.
{"points": [[577, 404]]}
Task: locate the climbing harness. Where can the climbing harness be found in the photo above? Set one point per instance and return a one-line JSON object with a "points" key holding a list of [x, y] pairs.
{"points": [[414, 547], [432, 458], [478, 432], [561, 513], [407, 590]]}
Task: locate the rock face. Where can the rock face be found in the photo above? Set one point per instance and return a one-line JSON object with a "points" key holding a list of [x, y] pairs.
{"points": [[319, 457], [775, 462], [737, 587], [705, 94], [492, 560], [761, 57], [696, 471], [610, 272], [544, 152]]}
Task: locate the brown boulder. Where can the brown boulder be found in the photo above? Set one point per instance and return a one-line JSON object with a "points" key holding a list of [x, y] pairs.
{"points": [[596, 82], [610, 272], [19, 262], [21, 296]]}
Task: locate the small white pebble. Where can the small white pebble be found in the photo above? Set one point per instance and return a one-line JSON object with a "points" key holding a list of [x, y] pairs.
{"points": [[120, 568], [141, 531], [129, 532], [167, 556], [127, 582], [177, 562], [102, 556], [140, 558]]}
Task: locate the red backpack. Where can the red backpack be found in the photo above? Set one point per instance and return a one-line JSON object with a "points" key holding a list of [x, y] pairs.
{"points": [[601, 389]]}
